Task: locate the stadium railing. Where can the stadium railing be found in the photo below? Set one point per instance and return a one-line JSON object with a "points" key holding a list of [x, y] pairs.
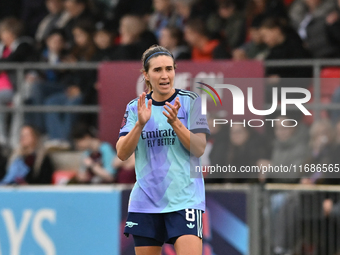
{"points": [[297, 219], [21, 68]]}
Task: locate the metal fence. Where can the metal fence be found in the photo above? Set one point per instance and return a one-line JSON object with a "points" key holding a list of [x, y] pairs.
{"points": [[301, 220]]}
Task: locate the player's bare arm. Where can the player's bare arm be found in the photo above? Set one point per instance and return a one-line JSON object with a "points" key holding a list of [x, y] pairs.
{"points": [[126, 145]]}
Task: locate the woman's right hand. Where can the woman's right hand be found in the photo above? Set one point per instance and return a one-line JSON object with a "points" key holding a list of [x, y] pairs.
{"points": [[144, 112]]}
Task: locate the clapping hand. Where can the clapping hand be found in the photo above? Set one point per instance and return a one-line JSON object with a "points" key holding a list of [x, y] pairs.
{"points": [[172, 111], [144, 112]]}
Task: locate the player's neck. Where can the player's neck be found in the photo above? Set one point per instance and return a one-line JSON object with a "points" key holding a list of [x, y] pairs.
{"points": [[162, 97]]}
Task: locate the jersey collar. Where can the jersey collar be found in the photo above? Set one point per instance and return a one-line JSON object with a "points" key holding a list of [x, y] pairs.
{"points": [[148, 96]]}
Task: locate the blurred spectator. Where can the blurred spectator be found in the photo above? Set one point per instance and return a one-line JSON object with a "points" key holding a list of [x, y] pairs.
{"points": [[33, 11], [246, 148], [29, 164], [201, 9], [299, 8], [46, 83], [218, 142], [172, 39], [255, 48], [184, 9], [130, 7], [333, 25], [203, 48], [96, 164], [105, 7], [228, 24], [312, 27], [103, 39], [55, 9], [265, 8], [125, 170], [77, 10], [290, 148], [134, 38], [80, 86], [164, 15], [322, 150], [84, 48], [13, 48], [283, 43]]}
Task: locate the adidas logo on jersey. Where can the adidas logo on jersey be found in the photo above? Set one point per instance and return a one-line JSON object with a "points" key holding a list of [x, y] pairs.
{"points": [[190, 225]]}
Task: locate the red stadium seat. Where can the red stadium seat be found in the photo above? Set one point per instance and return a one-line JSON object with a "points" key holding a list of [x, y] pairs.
{"points": [[288, 2], [330, 80]]}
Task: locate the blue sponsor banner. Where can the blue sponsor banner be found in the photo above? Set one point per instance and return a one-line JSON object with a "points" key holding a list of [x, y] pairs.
{"points": [[67, 221], [228, 228]]}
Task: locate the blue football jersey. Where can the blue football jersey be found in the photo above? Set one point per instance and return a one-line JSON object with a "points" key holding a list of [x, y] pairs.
{"points": [[162, 163]]}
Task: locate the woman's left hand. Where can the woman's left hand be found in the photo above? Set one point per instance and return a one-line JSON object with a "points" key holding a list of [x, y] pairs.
{"points": [[172, 111]]}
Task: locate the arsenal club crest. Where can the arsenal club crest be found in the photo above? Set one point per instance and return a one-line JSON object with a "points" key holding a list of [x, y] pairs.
{"points": [[124, 119]]}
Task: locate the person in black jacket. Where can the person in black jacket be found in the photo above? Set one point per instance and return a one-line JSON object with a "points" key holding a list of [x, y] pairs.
{"points": [[78, 10], [29, 164], [283, 43], [135, 38], [103, 39], [333, 26]]}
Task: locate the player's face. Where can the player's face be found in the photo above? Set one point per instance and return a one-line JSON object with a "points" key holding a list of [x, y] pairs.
{"points": [[161, 75]]}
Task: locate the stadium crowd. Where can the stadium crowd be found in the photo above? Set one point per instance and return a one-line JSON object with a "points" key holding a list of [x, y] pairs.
{"points": [[71, 31]]}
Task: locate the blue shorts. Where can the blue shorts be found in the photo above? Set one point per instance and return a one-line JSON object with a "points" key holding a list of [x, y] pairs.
{"points": [[163, 227]]}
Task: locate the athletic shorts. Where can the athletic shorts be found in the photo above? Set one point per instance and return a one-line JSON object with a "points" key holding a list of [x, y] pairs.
{"points": [[163, 227]]}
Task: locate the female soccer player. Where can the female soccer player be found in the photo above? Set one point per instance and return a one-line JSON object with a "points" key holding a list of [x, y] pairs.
{"points": [[167, 132]]}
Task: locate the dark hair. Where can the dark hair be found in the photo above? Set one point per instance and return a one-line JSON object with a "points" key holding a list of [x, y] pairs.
{"points": [[86, 2], [81, 130], [89, 51], [198, 26], [271, 23], [176, 33], [154, 51], [227, 3], [36, 132], [105, 26], [85, 25], [257, 21], [58, 31]]}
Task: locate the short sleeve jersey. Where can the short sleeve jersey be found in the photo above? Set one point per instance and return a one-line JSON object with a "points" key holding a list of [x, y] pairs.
{"points": [[162, 163]]}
